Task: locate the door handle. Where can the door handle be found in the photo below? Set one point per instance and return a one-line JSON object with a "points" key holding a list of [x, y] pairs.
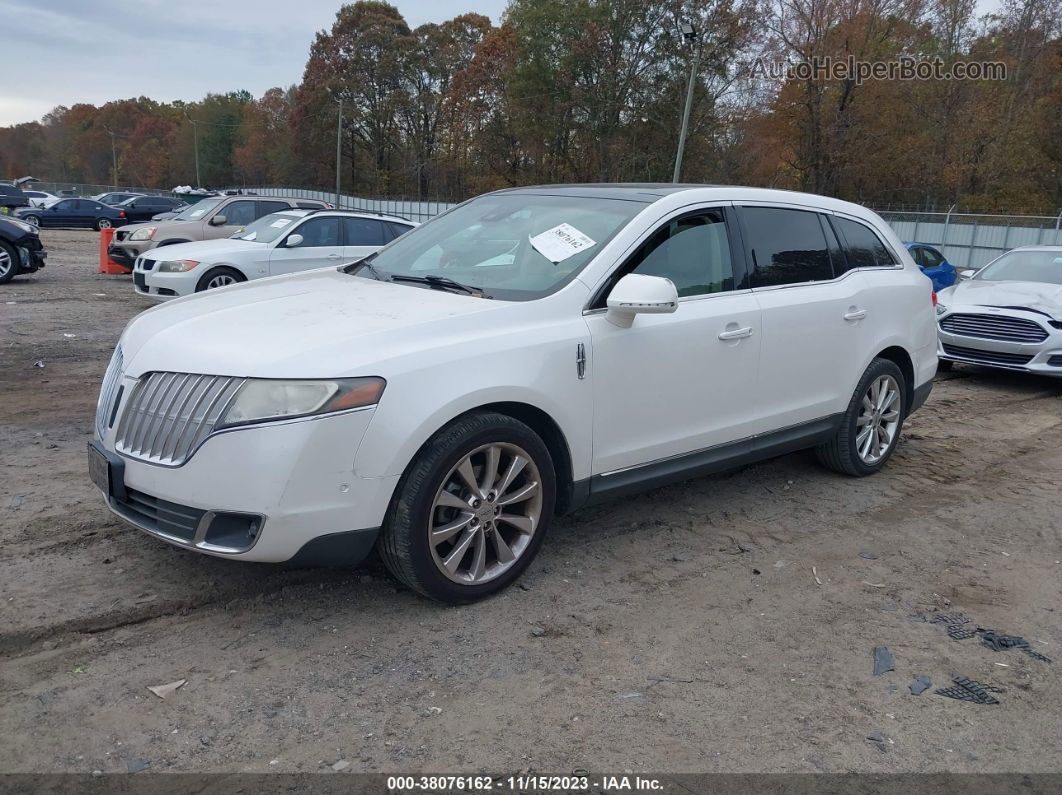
{"points": [[736, 334], [855, 314], [334, 256]]}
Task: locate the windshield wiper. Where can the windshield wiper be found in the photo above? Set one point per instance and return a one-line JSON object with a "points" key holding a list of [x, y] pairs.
{"points": [[365, 262], [440, 283]]}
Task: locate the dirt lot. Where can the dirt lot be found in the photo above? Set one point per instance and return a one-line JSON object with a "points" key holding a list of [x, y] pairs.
{"points": [[683, 630]]}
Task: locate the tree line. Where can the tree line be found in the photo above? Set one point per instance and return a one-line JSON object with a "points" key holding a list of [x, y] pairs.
{"points": [[593, 91]]}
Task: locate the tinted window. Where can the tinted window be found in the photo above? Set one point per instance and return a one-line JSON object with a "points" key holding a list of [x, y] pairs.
{"points": [[693, 252], [319, 232], [239, 213], [397, 229], [863, 247], [309, 205], [65, 206], [363, 232], [265, 208], [785, 246], [933, 259]]}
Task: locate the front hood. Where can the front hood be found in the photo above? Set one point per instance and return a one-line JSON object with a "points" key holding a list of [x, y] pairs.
{"points": [[319, 324], [1037, 296], [205, 250]]}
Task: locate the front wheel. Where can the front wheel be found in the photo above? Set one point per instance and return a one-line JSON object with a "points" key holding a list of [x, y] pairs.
{"points": [[472, 509], [219, 277], [8, 262], [32, 219], [871, 425]]}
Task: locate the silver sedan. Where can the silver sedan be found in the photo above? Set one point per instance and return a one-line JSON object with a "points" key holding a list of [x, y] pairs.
{"points": [[1006, 315]]}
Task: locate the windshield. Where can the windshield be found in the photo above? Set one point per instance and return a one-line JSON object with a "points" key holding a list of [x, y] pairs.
{"points": [[267, 228], [513, 246], [1025, 266], [197, 210]]}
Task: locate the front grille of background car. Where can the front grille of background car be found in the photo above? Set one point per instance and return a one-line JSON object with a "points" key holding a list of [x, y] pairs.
{"points": [[169, 415], [160, 516], [994, 327], [989, 357], [111, 379]]}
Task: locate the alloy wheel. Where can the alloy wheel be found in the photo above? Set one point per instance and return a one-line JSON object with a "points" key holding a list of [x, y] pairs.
{"points": [[32, 219], [103, 223], [485, 514], [879, 419], [6, 263], [221, 280]]}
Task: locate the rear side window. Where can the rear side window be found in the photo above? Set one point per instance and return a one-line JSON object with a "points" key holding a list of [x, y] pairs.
{"points": [[785, 246], [933, 259], [863, 247], [268, 208], [396, 230], [363, 232], [309, 205]]}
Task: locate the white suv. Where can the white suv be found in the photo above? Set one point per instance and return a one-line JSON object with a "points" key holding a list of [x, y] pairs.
{"points": [[284, 242], [526, 353]]}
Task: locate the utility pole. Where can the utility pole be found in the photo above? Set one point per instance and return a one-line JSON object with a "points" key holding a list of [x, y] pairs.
{"points": [[339, 138], [195, 133], [114, 160], [689, 33]]}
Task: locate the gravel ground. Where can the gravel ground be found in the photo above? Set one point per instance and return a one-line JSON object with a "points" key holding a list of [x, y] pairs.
{"points": [[725, 624]]}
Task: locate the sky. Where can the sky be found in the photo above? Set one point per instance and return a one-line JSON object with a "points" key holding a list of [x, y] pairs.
{"points": [[61, 52]]}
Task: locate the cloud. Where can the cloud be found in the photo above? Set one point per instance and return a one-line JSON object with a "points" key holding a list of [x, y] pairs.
{"points": [[62, 52]]}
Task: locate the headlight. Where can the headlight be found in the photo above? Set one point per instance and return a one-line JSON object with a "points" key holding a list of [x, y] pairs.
{"points": [[178, 265], [261, 400], [144, 233], [941, 309]]}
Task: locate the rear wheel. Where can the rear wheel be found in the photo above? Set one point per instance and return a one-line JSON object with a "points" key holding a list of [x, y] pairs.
{"points": [[219, 277], [103, 223], [8, 262], [470, 513], [872, 423]]}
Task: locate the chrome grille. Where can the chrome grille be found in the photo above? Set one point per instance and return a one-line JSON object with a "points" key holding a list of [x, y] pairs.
{"points": [[169, 415], [994, 327], [111, 379]]}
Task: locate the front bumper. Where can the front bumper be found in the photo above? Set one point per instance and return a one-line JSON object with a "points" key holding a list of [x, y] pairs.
{"points": [[150, 283], [1041, 358], [31, 254], [284, 491]]}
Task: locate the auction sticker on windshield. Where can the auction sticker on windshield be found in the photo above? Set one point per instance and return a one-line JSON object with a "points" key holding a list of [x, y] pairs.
{"points": [[560, 242]]}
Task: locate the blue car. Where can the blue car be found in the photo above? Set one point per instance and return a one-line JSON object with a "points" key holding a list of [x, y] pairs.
{"points": [[74, 213], [933, 264]]}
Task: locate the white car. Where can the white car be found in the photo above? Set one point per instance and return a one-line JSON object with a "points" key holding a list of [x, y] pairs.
{"points": [[525, 353], [1008, 315], [40, 198], [281, 243]]}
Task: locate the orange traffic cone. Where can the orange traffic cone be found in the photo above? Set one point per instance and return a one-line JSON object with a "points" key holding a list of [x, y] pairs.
{"points": [[108, 265]]}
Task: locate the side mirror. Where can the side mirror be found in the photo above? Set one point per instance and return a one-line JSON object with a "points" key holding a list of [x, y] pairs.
{"points": [[637, 294], [967, 273], [294, 240], [217, 220]]}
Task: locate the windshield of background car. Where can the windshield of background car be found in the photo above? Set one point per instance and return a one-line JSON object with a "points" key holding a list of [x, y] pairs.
{"points": [[1025, 266], [197, 210], [267, 228], [515, 247]]}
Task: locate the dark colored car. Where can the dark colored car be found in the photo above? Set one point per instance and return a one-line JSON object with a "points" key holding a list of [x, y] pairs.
{"points": [[115, 197], [74, 213], [11, 197], [145, 208], [20, 249]]}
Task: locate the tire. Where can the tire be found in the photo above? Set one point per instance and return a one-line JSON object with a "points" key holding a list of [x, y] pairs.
{"points": [[845, 452], [32, 219], [103, 223], [219, 277], [9, 263], [484, 531], [944, 366]]}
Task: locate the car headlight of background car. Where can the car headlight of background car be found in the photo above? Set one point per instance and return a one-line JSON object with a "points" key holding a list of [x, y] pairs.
{"points": [[261, 400], [145, 233], [178, 265]]}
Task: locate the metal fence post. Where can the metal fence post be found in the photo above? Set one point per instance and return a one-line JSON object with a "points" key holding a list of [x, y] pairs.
{"points": [[947, 222], [1058, 221]]}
